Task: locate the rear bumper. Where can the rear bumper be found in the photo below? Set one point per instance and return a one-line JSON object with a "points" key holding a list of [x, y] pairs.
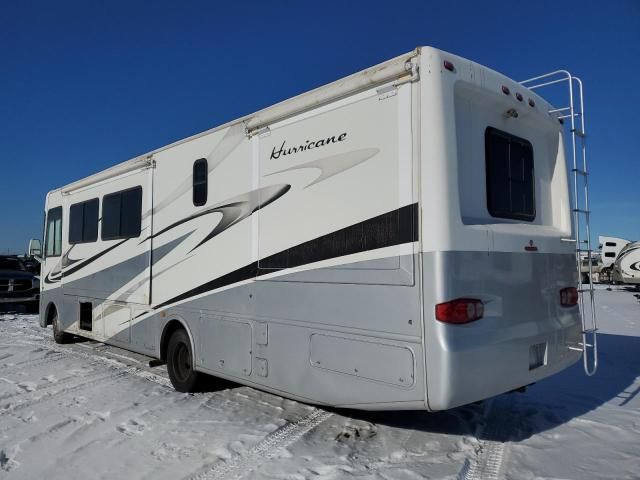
{"points": [[478, 360], [476, 373]]}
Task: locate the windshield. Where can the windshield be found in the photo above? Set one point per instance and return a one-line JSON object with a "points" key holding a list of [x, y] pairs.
{"points": [[7, 263]]}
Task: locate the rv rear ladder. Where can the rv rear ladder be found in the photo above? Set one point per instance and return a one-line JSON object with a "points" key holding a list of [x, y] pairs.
{"points": [[581, 213]]}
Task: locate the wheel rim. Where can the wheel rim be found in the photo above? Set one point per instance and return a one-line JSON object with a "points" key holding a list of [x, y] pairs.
{"points": [[182, 362]]}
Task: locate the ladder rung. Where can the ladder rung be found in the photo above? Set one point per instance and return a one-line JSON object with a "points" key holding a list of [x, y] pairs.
{"points": [[579, 172], [583, 290], [578, 132], [580, 210], [569, 115], [571, 240], [590, 330], [584, 250], [563, 109]]}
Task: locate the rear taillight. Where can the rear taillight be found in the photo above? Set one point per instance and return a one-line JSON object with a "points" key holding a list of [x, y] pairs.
{"points": [[449, 66], [569, 297], [460, 310]]}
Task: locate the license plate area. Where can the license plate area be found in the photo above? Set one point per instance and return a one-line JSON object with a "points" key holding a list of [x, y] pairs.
{"points": [[537, 355]]}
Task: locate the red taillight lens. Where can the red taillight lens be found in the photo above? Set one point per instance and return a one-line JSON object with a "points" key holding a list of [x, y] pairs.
{"points": [[460, 310], [519, 96], [449, 66], [569, 297], [532, 103], [506, 90]]}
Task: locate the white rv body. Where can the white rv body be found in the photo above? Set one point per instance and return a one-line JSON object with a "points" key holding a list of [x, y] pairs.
{"points": [[333, 225], [626, 268]]}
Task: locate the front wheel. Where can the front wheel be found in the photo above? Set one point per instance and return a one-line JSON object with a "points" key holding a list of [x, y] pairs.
{"points": [[182, 374], [59, 335]]}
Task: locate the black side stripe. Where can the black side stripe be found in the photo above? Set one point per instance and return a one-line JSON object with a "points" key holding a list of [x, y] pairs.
{"points": [[386, 230]]}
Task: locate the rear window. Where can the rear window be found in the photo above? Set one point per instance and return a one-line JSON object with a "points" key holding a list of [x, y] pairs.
{"points": [[510, 176]]}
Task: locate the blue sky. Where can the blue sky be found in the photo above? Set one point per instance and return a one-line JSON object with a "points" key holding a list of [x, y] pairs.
{"points": [[85, 85]]}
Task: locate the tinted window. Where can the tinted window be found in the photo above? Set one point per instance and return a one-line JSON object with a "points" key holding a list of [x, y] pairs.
{"points": [[510, 176], [200, 182], [83, 222], [53, 240], [610, 244], [122, 214], [610, 254]]}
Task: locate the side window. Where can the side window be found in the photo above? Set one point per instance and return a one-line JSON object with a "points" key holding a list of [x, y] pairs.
{"points": [[200, 178], [83, 221], [610, 244], [53, 232], [510, 176], [122, 214], [610, 254]]}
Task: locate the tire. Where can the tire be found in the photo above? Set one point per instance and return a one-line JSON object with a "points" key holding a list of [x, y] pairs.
{"points": [[58, 334], [180, 364]]}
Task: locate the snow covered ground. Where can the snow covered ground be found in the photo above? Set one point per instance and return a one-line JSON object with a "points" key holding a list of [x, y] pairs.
{"points": [[88, 410]]}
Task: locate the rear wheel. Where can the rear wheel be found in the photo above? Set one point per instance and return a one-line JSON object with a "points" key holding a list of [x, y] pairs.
{"points": [[182, 374], [59, 335]]}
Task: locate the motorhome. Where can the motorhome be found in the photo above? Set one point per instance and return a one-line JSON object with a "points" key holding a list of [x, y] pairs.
{"points": [[399, 239], [626, 268], [609, 247]]}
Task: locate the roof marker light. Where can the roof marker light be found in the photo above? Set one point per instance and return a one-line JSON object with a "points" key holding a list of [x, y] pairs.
{"points": [[505, 90], [519, 96], [449, 66], [532, 103]]}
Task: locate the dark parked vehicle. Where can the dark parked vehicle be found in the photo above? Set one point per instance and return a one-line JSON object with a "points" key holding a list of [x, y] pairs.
{"points": [[18, 286]]}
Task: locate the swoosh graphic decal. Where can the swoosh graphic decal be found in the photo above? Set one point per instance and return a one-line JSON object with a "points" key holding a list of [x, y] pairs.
{"points": [[233, 210], [54, 277], [229, 142], [635, 266], [391, 228], [334, 164], [245, 207]]}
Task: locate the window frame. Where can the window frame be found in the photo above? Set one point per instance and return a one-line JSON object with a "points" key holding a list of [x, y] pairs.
{"points": [[58, 211], [510, 138], [199, 183], [120, 193], [82, 229]]}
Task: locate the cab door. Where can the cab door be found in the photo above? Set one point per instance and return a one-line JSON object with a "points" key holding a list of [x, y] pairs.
{"points": [[51, 266]]}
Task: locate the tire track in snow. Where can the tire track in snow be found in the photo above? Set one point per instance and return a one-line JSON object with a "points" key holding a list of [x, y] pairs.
{"points": [[43, 395], [92, 355], [490, 454], [240, 465], [34, 362]]}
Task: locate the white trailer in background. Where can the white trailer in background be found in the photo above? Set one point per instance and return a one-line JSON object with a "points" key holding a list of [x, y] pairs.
{"points": [[610, 247], [398, 239], [626, 268]]}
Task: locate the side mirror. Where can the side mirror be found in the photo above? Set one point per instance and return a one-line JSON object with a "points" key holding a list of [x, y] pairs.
{"points": [[35, 249]]}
